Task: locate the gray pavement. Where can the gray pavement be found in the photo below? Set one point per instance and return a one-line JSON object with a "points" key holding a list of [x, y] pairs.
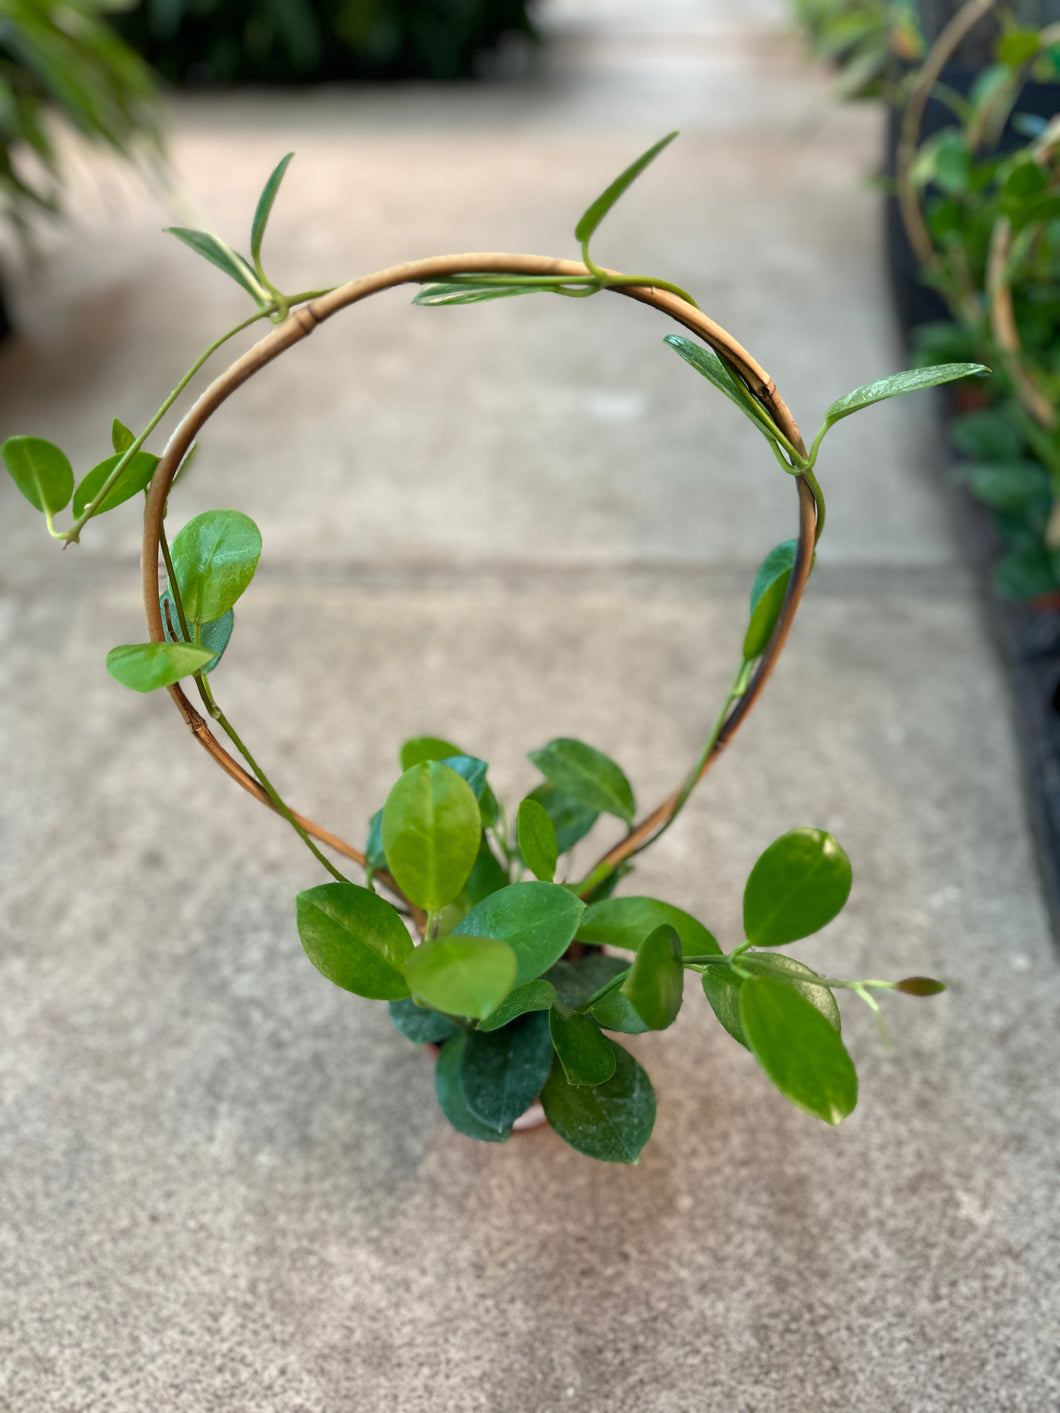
{"points": [[225, 1184]]}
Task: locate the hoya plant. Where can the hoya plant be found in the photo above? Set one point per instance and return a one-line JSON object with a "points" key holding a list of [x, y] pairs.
{"points": [[471, 922]]}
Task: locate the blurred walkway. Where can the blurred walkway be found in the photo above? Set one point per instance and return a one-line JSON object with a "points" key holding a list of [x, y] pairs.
{"points": [[225, 1184]]}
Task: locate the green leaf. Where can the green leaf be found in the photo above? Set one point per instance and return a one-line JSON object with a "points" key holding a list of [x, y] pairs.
{"points": [[40, 471], [797, 886], [912, 380], [537, 920], [463, 976], [722, 987], [221, 255], [356, 939], [1009, 486], [420, 1024], [373, 849], [487, 876], [431, 832], [474, 772], [451, 1096], [615, 1012], [586, 775], [584, 1051], [421, 748], [503, 1071], [713, 367], [987, 435], [147, 666], [1025, 573], [214, 636], [625, 922], [431, 296], [1018, 47], [603, 203], [570, 818], [576, 981], [537, 840], [798, 1048], [121, 439], [134, 477], [656, 982], [264, 208], [611, 1121], [920, 986], [214, 558], [534, 996], [767, 597]]}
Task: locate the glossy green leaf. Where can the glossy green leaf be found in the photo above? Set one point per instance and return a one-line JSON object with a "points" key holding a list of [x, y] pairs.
{"points": [[214, 636], [656, 982], [625, 922], [537, 920], [534, 996], [611, 1121], [373, 849], [713, 367], [767, 597], [214, 558], [615, 1012], [474, 772], [487, 876], [224, 257], [356, 939], [585, 774], [41, 472], [421, 748], [135, 475], [121, 439], [463, 976], [504, 1071], [537, 840], [798, 1048], [912, 380], [584, 1051], [797, 886], [570, 818], [421, 1024], [264, 207], [432, 296], [431, 832], [603, 203], [147, 666], [451, 1095], [722, 987]]}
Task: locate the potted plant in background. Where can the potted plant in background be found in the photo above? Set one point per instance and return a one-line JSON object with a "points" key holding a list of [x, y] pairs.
{"points": [[63, 60], [471, 923]]}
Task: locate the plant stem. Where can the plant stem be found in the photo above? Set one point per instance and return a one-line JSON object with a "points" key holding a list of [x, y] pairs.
{"points": [[174, 587], [615, 981]]}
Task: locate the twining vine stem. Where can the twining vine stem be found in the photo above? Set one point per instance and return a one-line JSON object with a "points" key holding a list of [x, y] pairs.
{"points": [[299, 324]]}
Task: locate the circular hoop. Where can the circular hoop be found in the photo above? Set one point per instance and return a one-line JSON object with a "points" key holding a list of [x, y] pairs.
{"points": [[301, 322]]}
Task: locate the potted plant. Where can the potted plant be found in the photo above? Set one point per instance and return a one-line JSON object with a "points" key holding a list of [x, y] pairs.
{"points": [[470, 923]]}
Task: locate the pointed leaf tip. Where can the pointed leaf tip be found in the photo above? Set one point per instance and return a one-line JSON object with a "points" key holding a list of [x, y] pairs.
{"points": [[603, 203]]}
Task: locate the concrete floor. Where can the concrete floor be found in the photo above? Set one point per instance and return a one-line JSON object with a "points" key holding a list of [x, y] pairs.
{"points": [[226, 1185]]}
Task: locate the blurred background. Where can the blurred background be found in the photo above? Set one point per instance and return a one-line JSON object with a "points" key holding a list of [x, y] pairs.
{"points": [[500, 524]]}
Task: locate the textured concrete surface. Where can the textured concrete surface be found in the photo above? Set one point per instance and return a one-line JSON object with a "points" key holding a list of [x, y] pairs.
{"points": [[225, 1184]]}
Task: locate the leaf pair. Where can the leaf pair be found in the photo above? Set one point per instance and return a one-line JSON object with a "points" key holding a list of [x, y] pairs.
{"points": [[42, 472]]}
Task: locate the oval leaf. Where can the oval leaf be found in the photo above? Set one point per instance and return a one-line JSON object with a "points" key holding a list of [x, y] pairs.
{"points": [[534, 996], [420, 1024], [121, 439], [147, 666], [798, 1048], [611, 1121], [587, 775], [463, 976], [135, 475], [625, 922], [912, 380], [656, 982], [570, 818], [431, 829], [537, 840], [722, 987], [603, 203], [767, 597], [503, 1071], [355, 939], [797, 886], [41, 472], [214, 636], [537, 920], [451, 1096], [421, 748], [214, 558], [584, 1051]]}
